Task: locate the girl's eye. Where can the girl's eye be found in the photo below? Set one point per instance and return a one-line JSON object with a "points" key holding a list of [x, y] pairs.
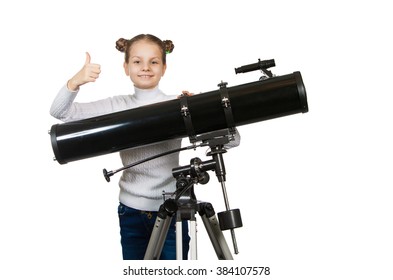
{"points": [[136, 62]]}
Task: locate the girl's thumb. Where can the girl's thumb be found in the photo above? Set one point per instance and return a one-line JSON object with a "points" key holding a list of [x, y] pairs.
{"points": [[87, 58]]}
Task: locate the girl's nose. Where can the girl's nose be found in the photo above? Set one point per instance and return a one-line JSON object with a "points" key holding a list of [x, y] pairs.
{"points": [[145, 67]]}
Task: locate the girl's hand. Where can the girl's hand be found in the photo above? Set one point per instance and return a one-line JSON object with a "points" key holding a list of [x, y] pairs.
{"points": [[186, 93], [89, 73]]}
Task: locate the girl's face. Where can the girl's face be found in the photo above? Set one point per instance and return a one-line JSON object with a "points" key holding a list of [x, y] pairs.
{"points": [[145, 66]]}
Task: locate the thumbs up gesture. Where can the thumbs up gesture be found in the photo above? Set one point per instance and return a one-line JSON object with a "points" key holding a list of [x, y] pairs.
{"points": [[89, 73]]}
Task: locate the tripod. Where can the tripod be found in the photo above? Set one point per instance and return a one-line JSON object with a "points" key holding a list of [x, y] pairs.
{"points": [[185, 206]]}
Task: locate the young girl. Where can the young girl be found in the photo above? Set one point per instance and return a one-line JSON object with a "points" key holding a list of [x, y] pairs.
{"points": [[141, 187]]}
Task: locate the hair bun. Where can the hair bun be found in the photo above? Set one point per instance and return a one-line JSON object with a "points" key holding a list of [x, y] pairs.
{"points": [[168, 46], [121, 44]]}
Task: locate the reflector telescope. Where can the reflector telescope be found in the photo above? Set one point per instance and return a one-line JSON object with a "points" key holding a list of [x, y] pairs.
{"points": [[223, 108]]}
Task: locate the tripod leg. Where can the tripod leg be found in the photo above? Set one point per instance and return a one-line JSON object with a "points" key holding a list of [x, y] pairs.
{"points": [[157, 239], [213, 230], [179, 240], [193, 241], [188, 214]]}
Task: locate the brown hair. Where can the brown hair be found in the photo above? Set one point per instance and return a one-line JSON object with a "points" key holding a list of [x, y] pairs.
{"points": [[124, 45]]}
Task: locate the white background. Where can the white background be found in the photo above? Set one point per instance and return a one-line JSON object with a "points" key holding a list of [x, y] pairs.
{"points": [[314, 189]]}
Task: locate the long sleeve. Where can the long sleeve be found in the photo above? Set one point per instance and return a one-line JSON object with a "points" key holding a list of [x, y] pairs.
{"points": [[65, 109], [62, 103]]}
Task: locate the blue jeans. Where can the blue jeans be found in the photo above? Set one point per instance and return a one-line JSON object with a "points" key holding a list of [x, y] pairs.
{"points": [[135, 229]]}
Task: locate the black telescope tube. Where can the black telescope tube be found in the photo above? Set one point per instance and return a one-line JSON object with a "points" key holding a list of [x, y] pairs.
{"points": [[252, 102]]}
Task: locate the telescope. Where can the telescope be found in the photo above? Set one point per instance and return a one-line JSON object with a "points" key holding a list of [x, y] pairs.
{"points": [[223, 108]]}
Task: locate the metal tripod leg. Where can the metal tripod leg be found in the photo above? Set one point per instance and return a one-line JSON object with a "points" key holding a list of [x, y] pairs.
{"points": [[157, 239], [186, 212], [179, 240], [193, 241], [215, 234]]}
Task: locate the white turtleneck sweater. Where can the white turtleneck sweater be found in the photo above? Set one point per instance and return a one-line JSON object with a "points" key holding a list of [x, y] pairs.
{"points": [[141, 186]]}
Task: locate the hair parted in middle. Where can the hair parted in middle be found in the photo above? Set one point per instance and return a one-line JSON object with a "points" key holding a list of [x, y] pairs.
{"points": [[124, 45]]}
